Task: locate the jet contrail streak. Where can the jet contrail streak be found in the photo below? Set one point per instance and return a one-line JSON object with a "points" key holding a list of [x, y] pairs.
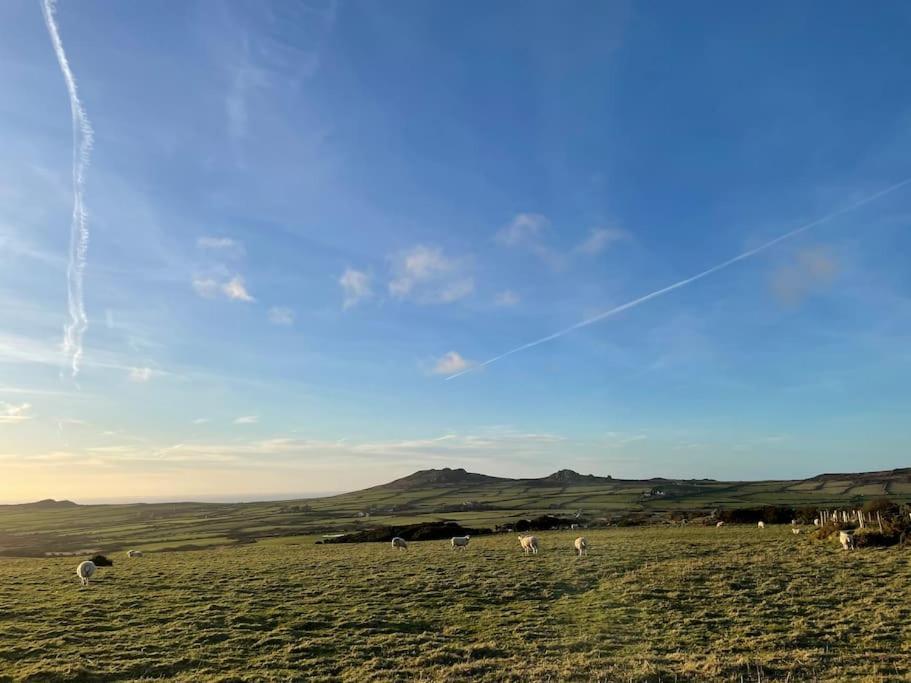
{"points": [[83, 138], [682, 283]]}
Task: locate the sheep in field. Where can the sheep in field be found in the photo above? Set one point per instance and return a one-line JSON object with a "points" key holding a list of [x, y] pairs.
{"points": [[719, 524], [460, 542], [846, 539], [529, 544], [399, 544], [84, 571], [581, 546], [796, 531], [761, 525], [134, 553]]}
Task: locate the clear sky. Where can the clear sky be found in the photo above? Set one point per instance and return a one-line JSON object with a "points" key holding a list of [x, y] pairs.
{"points": [[302, 217]]}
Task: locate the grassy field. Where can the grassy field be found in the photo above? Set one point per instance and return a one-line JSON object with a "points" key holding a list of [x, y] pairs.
{"points": [[29, 530], [651, 604]]}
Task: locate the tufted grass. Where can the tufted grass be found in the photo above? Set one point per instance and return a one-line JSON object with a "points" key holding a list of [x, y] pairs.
{"points": [[647, 604]]}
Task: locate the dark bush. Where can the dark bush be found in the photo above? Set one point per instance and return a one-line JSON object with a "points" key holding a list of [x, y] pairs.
{"points": [[545, 522], [770, 514], [883, 506], [102, 561], [429, 531]]}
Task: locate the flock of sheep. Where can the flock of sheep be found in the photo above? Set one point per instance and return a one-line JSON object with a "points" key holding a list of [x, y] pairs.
{"points": [[846, 538], [529, 544]]}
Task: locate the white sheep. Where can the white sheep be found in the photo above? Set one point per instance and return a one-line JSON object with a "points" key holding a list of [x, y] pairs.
{"points": [[796, 531], [581, 546], [529, 544], [761, 525], [816, 521], [399, 543], [134, 553], [846, 538], [85, 570], [460, 542], [719, 524]]}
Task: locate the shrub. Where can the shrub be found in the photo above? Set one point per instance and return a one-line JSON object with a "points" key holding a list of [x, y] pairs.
{"points": [[883, 506]]}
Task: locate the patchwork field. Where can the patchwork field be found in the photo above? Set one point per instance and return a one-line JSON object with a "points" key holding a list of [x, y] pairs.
{"points": [[432, 495], [647, 604]]}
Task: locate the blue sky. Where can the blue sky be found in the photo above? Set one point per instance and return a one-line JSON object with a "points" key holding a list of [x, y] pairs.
{"points": [[303, 218]]}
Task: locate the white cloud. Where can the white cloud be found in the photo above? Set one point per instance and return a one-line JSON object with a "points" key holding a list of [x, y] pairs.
{"points": [[140, 374], [525, 228], [205, 287], [600, 239], [425, 275], [506, 298], [451, 363], [279, 315], [200, 420], [356, 286], [223, 244], [236, 290], [14, 414], [247, 420]]}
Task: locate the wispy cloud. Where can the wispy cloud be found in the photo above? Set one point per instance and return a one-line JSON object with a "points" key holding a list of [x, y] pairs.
{"points": [[246, 420], [506, 298], [205, 287], [355, 286], [14, 414], [426, 275], [140, 375], [600, 239], [527, 231], [236, 290], [279, 315], [450, 363], [811, 270], [83, 138], [225, 246], [693, 278], [524, 229]]}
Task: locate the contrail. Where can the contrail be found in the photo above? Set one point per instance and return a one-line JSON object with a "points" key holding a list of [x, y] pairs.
{"points": [[83, 137], [682, 283]]}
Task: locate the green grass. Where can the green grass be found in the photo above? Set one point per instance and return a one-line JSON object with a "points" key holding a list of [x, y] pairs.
{"points": [[34, 531], [647, 604]]}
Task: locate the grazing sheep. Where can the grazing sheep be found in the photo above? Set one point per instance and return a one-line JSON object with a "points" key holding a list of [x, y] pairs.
{"points": [[134, 553], [460, 542], [529, 544], [581, 546], [85, 570], [399, 544], [719, 524], [761, 525], [846, 538], [796, 531]]}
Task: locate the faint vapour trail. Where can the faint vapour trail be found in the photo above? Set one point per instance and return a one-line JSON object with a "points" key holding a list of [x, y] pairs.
{"points": [[83, 137], [682, 283]]}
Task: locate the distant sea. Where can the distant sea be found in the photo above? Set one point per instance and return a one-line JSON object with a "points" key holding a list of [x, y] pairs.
{"points": [[207, 498]]}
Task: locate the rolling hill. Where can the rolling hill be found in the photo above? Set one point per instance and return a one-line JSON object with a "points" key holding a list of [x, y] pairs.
{"points": [[475, 500]]}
